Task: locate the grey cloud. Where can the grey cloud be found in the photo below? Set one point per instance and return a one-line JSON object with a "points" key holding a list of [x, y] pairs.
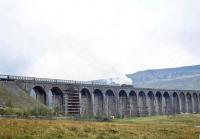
{"points": [[60, 39]]}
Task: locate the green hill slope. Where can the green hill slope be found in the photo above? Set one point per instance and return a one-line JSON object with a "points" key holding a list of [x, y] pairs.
{"points": [[12, 94], [186, 83], [187, 78], [172, 78]]}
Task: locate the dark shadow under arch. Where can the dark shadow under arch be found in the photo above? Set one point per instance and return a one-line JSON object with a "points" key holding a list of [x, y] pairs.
{"points": [[40, 94], [182, 102], [142, 104], [196, 103], [123, 103], [189, 103], [56, 98], [86, 102], [158, 103], [110, 103], [175, 102], [133, 103], [167, 104], [98, 102], [151, 106]]}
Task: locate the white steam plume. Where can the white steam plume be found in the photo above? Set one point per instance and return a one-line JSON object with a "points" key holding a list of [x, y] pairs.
{"points": [[120, 79]]}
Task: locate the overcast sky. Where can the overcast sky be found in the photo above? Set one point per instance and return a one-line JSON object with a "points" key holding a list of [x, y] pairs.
{"points": [[89, 39]]}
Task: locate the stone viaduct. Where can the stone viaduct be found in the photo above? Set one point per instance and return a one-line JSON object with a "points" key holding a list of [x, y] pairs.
{"points": [[90, 99]]}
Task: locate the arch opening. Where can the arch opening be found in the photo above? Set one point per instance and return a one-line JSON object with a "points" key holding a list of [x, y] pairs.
{"points": [[189, 103], [39, 94], [183, 102], [133, 104], [56, 99], [196, 103], [151, 106], [142, 104], [167, 104], [86, 102], [176, 106], [199, 102], [98, 102], [158, 103], [123, 103], [110, 103]]}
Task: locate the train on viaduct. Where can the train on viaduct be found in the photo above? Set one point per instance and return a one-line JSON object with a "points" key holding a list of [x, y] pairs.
{"points": [[94, 99]]}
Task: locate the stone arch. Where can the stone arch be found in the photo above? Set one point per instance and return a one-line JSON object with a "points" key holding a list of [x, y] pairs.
{"points": [[142, 104], [175, 102], [86, 102], [189, 103], [167, 104], [39, 94], [110, 103], [158, 102], [123, 103], [133, 103], [56, 98], [199, 102], [98, 102], [195, 103], [151, 106], [182, 102]]}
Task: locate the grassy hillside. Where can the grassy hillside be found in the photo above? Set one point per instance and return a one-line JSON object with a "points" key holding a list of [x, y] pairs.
{"points": [[172, 78], [165, 74], [161, 127], [186, 83], [12, 94]]}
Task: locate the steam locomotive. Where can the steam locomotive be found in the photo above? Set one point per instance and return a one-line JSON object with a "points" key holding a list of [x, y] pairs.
{"points": [[13, 78], [6, 78]]}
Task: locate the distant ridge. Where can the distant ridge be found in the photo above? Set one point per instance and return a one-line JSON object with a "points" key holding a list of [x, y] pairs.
{"points": [[187, 77]]}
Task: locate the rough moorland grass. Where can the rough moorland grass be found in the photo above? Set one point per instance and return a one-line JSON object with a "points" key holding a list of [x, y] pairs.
{"points": [[160, 127]]}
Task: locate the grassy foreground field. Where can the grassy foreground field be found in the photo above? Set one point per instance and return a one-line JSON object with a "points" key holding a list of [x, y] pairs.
{"points": [[160, 127]]}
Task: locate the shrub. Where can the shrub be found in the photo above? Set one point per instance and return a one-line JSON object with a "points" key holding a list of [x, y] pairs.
{"points": [[25, 113], [41, 111], [9, 104], [103, 118]]}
